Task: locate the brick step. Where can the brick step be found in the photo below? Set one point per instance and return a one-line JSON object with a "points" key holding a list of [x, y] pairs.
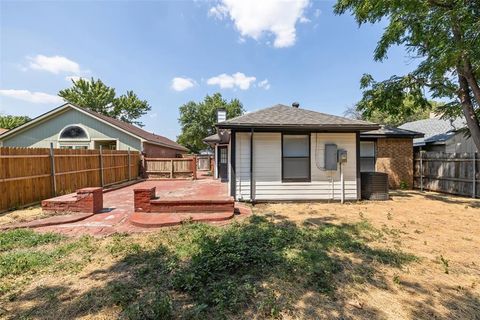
{"points": [[191, 205], [154, 220]]}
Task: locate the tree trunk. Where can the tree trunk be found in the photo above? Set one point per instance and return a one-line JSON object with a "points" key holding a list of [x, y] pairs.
{"points": [[468, 110], [472, 81]]}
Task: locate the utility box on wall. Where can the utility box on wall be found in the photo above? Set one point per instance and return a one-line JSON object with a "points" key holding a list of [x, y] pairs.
{"points": [[330, 156], [342, 155]]}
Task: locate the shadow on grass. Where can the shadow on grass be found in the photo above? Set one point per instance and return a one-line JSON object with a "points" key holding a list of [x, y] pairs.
{"points": [[256, 269], [450, 199]]}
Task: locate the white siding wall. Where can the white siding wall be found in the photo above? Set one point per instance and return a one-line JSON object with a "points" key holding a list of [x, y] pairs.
{"points": [[267, 169], [242, 164]]}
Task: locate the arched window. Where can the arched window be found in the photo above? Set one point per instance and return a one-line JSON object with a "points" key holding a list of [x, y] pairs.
{"points": [[73, 132]]}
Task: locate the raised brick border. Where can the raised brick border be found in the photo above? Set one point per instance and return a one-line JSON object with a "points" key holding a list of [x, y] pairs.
{"points": [[88, 200], [187, 205], [142, 198]]}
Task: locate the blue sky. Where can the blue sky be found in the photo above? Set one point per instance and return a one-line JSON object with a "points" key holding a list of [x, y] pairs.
{"points": [[262, 53]]}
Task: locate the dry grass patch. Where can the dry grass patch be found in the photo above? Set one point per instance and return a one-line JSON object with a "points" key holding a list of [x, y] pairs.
{"points": [[375, 260]]}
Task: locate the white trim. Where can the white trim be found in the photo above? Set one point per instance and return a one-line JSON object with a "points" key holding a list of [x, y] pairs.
{"points": [[59, 138]]}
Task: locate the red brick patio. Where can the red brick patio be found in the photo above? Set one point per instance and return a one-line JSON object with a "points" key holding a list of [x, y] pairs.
{"points": [[119, 208]]}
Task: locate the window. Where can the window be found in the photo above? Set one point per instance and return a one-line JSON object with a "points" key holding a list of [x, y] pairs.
{"points": [[73, 132], [367, 156], [296, 157], [78, 147]]}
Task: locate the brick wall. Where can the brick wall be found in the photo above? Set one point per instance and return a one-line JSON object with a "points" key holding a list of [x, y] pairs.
{"points": [[88, 200], [156, 151], [141, 199], [395, 157]]}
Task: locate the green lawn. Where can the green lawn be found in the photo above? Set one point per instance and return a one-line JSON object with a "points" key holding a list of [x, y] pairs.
{"points": [[255, 267]]}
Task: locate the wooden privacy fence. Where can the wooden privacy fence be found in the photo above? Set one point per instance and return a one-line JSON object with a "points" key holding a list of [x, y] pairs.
{"points": [[29, 175], [170, 168], [452, 173]]}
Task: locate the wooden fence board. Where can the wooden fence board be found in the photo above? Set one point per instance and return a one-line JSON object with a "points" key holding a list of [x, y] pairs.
{"points": [[170, 168], [452, 173], [26, 175]]}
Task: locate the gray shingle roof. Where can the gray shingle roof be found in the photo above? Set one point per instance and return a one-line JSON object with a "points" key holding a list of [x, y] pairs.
{"points": [[284, 117], [435, 130], [150, 137], [392, 132]]}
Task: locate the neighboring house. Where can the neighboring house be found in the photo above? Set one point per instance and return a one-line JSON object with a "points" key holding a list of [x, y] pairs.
{"points": [[73, 127], [289, 153], [3, 130], [441, 135], [389, 150]]}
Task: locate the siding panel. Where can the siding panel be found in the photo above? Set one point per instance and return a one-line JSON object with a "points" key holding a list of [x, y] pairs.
{"points": [[267, 170]]}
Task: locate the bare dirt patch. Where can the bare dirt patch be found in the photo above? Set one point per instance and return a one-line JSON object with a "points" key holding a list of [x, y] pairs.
{"points": [[442, 231]]}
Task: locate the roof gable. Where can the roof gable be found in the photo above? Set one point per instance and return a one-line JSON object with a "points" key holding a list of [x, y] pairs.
{"points": [[281, 116], [120, 125]]}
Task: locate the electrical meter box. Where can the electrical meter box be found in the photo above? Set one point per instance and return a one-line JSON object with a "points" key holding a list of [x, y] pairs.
{"points": [[331, 156], [342, 155]]}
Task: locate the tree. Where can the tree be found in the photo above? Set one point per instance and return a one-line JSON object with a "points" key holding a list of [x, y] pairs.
{"points": [[96, 96], [198, 119], [10, 122], [409, 111], [444, 35]]}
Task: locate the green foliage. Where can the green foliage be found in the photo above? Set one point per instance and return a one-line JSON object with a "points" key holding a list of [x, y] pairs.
{"points": [[445, 264], [396, 116], [25, 238], [96, 96], [196, 271], [443, 36], [198, 119], [403, 185], [10, 122]]}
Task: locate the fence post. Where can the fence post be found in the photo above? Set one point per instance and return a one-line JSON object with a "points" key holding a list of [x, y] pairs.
{"points": [[421, 170], [52, 170], [474, 186], [171, 168], [101, 166], [129, 166]]}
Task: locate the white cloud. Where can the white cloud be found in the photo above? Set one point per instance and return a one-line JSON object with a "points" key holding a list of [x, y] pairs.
{"points": [[226, 81], [74, 78], [264, 84], [54, 64], [254, 18], [317, 13], [180, 84], [33, 97], [219, 12]]}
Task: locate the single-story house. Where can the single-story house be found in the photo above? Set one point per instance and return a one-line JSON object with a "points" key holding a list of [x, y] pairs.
{"points": [[441, 135], [72, 127], [289, 153], [389, 150]]}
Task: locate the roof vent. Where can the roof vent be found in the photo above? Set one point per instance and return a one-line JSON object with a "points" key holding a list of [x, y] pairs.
{"points": [[295, 104]]}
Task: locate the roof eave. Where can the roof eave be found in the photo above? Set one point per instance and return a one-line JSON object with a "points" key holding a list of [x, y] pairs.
{"points": [[339, 127]]}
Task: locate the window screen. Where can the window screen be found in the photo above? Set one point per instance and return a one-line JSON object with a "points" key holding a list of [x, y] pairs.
{"points": [[296, 157], [367, 156]]}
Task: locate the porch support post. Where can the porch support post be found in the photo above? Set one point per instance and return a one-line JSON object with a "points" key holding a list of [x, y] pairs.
{"points": [[252, 179], [233, 179]]}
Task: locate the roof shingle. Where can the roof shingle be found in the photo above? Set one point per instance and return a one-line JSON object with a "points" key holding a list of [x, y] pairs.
{"points": [[282, 116]]}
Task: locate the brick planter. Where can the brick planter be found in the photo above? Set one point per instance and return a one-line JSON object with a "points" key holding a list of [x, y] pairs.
{"points": [[142, 198], [88, 200]]}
